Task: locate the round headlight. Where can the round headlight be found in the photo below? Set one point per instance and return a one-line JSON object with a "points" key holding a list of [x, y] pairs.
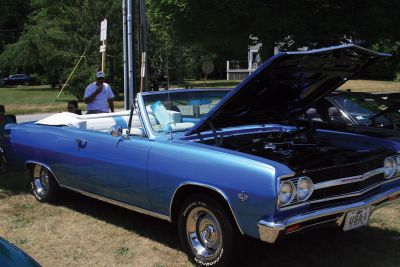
{"points": [[286, 192], [305, 188], [390, 167]]}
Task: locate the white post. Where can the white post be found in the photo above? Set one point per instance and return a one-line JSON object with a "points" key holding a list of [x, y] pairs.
{"points": [[103, 38], [227, 70]]}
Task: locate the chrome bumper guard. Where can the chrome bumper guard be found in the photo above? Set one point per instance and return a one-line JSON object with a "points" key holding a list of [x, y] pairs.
{"points": [[270, 230]]}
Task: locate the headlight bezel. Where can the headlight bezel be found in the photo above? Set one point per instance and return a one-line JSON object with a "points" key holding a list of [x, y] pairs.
{"points": [[293, 181], [293, 194], [311, 189]]}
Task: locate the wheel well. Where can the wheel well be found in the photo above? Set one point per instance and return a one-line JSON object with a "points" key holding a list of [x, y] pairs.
{"points": [[31, 165], [187, 190]]}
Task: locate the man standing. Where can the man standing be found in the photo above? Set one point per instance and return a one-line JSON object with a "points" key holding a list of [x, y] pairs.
{"points": [[99, 96]]}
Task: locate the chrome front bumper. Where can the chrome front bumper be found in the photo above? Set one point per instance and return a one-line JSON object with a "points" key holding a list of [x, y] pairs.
{"points": [[270, 230]]}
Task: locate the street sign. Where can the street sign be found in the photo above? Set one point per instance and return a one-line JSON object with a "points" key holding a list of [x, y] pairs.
{"points": [[207, 67], [103, 30], [102, 48]]}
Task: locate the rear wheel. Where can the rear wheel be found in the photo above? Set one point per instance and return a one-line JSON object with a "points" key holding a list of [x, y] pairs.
{"points": [[44, 186], [206, 232]]}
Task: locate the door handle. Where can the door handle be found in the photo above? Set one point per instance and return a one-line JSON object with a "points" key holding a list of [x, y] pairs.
{"points": [[81, 142]]}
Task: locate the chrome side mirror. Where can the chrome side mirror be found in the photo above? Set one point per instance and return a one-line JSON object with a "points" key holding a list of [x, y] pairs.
{"points": [[116, 130]]}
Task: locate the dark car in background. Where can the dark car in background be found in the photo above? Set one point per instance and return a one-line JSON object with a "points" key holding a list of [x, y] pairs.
{"points": [[20, 79], [358, 112]]}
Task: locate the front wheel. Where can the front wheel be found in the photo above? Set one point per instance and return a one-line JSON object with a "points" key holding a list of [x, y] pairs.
{"points": [[44, 186], [206, 232]]}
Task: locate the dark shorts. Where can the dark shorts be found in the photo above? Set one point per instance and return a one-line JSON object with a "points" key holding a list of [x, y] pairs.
{"points": [[95, 111]]}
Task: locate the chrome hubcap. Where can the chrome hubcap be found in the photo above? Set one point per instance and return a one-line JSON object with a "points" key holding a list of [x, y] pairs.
{"points": [[40, 181], [204, 233]]}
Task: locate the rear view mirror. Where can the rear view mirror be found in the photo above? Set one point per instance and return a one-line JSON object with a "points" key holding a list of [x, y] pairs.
{"points": [[116, 130]]}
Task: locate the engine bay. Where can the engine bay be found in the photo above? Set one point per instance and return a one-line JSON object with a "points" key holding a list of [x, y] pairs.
{"points": [[300, 149]]}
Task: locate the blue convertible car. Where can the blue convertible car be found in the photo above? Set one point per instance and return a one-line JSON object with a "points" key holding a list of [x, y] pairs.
{"points": [[222, 164]]}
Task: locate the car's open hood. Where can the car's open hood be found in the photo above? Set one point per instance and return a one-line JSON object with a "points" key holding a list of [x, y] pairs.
{"points": [[285, 84]]}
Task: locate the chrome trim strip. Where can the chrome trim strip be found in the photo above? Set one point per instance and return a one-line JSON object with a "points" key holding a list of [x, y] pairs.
{"points": [[44, 165], [349, 180], [145, 117], [354, 194], [105, 199], [270, 230], [120, 204], [220, 192]]}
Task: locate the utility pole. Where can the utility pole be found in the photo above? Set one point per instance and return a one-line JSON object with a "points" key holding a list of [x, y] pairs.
{"points": [[129, 75], [128, 18]]}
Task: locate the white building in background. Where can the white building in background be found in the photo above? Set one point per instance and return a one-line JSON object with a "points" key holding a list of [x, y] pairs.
{"points": [[239, 70]]}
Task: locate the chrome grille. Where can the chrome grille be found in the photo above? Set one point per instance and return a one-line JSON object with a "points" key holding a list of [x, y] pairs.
{"points": [[345, 181], [348, 170]]}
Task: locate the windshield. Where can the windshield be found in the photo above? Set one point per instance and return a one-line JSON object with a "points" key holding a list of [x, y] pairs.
{"points": [[368, 109], [180, 110]]}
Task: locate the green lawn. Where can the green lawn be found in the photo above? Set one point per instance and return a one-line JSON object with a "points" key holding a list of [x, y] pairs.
{"points": [[38, 99], [32, 99]]}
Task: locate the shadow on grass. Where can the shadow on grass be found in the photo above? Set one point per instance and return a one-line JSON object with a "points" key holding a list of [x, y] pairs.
{"points": [[13, 183], [328, 247], [147, 226]]}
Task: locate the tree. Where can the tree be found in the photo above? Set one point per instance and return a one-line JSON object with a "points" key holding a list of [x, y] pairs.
{"points": [[223, 27], [11, 28], [57, 34]]}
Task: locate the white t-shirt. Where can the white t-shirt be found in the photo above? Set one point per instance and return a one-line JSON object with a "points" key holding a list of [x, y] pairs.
{"points": [[100, 102]]}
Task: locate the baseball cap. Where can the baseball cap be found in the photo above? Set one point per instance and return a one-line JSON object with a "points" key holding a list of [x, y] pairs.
{"points": [[100, 74]]}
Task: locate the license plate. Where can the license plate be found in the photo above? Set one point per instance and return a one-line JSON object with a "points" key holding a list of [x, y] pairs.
{"points": [[356, 218]]}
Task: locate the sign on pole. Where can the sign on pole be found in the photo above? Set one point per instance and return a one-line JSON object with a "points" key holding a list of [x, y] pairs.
{"points": [[102, 48], [103, 30]]}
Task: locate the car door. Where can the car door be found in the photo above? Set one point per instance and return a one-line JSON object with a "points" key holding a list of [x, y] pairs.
{"points": [[112, 167]]}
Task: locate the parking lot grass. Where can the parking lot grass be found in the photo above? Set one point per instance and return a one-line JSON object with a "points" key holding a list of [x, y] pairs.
{"points": [[79, 231]]}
